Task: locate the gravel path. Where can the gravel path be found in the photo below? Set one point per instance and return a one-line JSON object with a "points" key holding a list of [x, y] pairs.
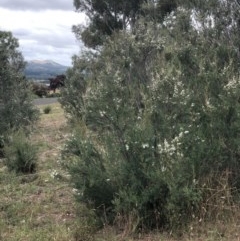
{"points": [[45, 101]]}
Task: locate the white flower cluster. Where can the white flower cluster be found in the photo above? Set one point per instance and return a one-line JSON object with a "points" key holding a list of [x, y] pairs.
{"points": [[172, 147], [102, 113], [145, 145], [155, 79], [232, 85], [76, 192], [117, 78], [117, 102], [181, 93], [54, 174]]}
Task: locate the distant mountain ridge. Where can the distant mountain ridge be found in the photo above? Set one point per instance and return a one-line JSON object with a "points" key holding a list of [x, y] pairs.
{"points": [[43, 69]]}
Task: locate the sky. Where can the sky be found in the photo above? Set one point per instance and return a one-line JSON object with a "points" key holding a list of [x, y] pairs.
{"points": [[43, 28]]}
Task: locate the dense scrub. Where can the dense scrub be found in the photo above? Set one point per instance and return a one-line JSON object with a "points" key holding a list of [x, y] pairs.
{"points": [[156, 120]]}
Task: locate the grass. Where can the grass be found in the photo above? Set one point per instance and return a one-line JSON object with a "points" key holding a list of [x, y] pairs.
{"points": [[47, 109], [41, 206]]}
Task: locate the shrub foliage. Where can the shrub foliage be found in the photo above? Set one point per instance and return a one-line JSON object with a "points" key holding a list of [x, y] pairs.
{"points": [[156, 115], [39, 89], [20, 154], [16, 107]]}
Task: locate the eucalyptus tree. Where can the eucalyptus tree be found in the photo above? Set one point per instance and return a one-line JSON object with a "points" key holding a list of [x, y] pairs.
{"points": [[108, 16]]}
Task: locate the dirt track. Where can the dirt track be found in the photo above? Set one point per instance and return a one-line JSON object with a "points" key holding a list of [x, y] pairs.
{"points": [[45, 101]]}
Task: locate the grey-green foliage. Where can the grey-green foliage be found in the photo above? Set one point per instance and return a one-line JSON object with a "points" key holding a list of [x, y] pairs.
{"points": [[77, 78], [16, 108], [20, 153], [161, 115], [109, 16], [105, 17]]}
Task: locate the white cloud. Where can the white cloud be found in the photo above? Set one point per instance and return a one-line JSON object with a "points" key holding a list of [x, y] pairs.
{"points": [[43, 34], [36, 5]]}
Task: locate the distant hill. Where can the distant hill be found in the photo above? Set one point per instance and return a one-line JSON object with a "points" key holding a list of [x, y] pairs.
{"points": [[43, 69]]}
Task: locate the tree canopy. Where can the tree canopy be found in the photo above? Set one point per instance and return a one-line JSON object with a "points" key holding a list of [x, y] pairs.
{"points": [[108, 16]]}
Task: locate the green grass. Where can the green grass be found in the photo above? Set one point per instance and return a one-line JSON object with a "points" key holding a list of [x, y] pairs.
{"points": [[47, 109], [41, 206]]}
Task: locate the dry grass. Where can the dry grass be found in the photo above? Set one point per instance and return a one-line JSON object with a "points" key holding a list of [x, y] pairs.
{"points": [[41, 206]]}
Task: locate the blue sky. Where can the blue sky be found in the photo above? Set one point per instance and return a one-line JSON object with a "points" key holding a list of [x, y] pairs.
{"points": [[43, 28]]}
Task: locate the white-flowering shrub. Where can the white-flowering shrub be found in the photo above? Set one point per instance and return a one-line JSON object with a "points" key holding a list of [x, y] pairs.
{"points": [[159, 113]]}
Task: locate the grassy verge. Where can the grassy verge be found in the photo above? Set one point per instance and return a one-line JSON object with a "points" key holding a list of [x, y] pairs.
{"points": [[41, 206]]}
